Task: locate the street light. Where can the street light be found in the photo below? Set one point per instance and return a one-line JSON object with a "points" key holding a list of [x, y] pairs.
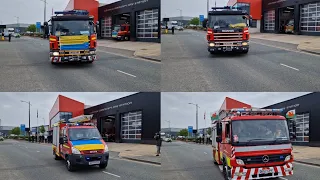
{"points": [[197, 107], [28, 102]]}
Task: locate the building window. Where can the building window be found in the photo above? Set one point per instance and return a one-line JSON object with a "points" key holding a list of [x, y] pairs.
{"points": [[131, 125], [310, 17], [243, 6], [254, 23], [269, 20], [106, 24], [147, 23], [302, 127]]}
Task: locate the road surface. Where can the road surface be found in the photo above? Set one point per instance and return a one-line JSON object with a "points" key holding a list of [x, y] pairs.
{"points": [[269, 66], [25, 66], [193, 161], [32, 161]]}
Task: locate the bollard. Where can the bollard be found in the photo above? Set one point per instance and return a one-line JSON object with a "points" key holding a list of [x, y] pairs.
{"points": [[2, 38]]}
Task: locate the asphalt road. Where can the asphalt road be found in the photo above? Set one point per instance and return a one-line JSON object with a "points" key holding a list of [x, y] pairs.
{"points": [[193, 161], [269, 66], [25, 66], [31, 161]]}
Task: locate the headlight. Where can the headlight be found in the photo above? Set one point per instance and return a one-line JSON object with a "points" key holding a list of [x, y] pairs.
{"points": [[75, 151], [92, 52], [239, 161], [288, 158], [55, 53], [106, 149], [211, 44], [244, 43]]}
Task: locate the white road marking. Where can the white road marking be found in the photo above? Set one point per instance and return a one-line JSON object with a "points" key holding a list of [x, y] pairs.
{"points": [[297, 51], [283, 178], [289, 67], [111, 174], [220, 167], [205, 153], [38, 151], [126, 73]]}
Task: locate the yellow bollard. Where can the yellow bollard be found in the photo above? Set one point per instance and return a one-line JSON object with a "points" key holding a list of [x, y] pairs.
{"points": [[2, 38], [166, 31]]}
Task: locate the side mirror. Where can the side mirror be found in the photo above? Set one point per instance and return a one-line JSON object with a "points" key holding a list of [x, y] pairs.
{"points": [[218, 139]]}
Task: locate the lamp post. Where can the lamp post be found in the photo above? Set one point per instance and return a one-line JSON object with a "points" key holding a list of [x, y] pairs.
{"points": [[28, 102], [180, 14], [197, 107], [169, 126]]}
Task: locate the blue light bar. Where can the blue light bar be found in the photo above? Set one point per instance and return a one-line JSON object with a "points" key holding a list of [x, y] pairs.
{"points": [[73, 12]]}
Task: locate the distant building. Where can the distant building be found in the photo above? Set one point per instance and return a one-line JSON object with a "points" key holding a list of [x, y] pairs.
{"points": [[19, 28], [182, 20], [172, 131], [5, 130]]}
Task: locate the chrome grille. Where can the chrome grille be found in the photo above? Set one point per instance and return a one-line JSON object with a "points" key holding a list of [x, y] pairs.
{"points": [[259, 159], [222, 37]]}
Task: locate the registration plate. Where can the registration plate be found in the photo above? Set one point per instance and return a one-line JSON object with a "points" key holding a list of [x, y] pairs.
{"points": [[265, 171], [94, 162], [228, 44], [74, 53]]}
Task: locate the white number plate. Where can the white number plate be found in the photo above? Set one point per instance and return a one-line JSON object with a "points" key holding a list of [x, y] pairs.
{"points": [[76, 52], [94, 162], [265, 171], [228, 44]]}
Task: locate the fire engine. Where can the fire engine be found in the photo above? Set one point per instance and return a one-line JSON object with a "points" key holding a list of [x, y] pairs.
{"points": [[79, 142], [252, 143], [72, 37], [121, 32], [228, 30]]}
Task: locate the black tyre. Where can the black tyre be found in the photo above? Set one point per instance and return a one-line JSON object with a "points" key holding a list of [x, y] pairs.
{"points": [[70, 167], [103, 166], [56, 157]]}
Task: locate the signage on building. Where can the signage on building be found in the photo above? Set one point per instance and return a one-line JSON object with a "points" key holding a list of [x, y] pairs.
{"points": [[139, 2], [291, 106], [112, 107], [276, 2]]}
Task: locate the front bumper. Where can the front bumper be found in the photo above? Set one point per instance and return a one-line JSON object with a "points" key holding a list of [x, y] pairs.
{"points": [[262, 173], [89, 159], [231, 48], [63, 58]]}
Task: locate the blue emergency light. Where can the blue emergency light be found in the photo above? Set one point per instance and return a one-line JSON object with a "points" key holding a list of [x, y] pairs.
{"points": [[72, 12]]}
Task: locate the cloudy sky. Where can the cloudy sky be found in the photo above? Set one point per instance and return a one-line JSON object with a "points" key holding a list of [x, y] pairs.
{"points": [[175, 107], [193, 8], [31, 11], [13, 112]]}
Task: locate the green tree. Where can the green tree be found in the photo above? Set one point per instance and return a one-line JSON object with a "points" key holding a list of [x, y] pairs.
{"points": [[195, 21], [15, 131], [42, 129], [32, 28], [183, 132]]}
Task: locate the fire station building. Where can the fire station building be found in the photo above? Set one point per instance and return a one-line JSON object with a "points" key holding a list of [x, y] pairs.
{"points": [[275, 16], [131, 119], [306, 120], [142, 15]]}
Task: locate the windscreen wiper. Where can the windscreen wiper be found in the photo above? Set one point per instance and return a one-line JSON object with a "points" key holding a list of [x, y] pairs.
{"points": [[257, 139]]}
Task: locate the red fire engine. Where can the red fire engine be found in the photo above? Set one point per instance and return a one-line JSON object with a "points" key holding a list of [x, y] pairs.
{"points": [[78, 142], [252, 144]]}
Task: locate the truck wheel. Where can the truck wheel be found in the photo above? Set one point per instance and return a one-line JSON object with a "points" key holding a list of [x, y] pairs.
{"points": [[69, 166], [56, 157], [103, 166]]}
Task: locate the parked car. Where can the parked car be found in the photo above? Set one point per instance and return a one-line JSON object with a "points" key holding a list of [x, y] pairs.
{"points": [[167, 139], [180, 28]]}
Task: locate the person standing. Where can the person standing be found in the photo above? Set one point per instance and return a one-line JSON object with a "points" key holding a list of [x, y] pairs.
{"points": [[9, 37], [159, 142], [172, 29]]}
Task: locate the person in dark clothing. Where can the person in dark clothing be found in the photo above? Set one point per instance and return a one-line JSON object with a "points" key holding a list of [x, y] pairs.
{"points": [[172, 29], [9, 37], [158, 138]]}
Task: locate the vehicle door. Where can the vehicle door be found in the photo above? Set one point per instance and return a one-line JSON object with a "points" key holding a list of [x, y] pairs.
{"points": [[65, 146]]}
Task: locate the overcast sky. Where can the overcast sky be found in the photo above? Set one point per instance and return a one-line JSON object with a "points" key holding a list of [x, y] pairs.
{"points": [[13, 112], [175, 107], [193, 8], [31, 11]]}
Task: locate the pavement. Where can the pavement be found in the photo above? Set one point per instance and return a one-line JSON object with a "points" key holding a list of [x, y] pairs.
{"points": [[137, 152], [146, 50], [269, 66], [182, 160], [31, 161], [25, 67], [309, 44]]}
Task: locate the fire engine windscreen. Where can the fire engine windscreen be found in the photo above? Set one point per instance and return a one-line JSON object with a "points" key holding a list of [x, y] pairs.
{"points": [[227, 21], [251, 131], [83, 134], [69, 28], [117, 28]]}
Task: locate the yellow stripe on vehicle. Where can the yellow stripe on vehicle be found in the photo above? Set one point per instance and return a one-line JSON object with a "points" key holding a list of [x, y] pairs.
{"points": [[228, 161], [86, 147], [66, 146]]}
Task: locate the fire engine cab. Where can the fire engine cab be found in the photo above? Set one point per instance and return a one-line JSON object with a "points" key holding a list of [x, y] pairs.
{"points": [[252, 144], [79, 142]]}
